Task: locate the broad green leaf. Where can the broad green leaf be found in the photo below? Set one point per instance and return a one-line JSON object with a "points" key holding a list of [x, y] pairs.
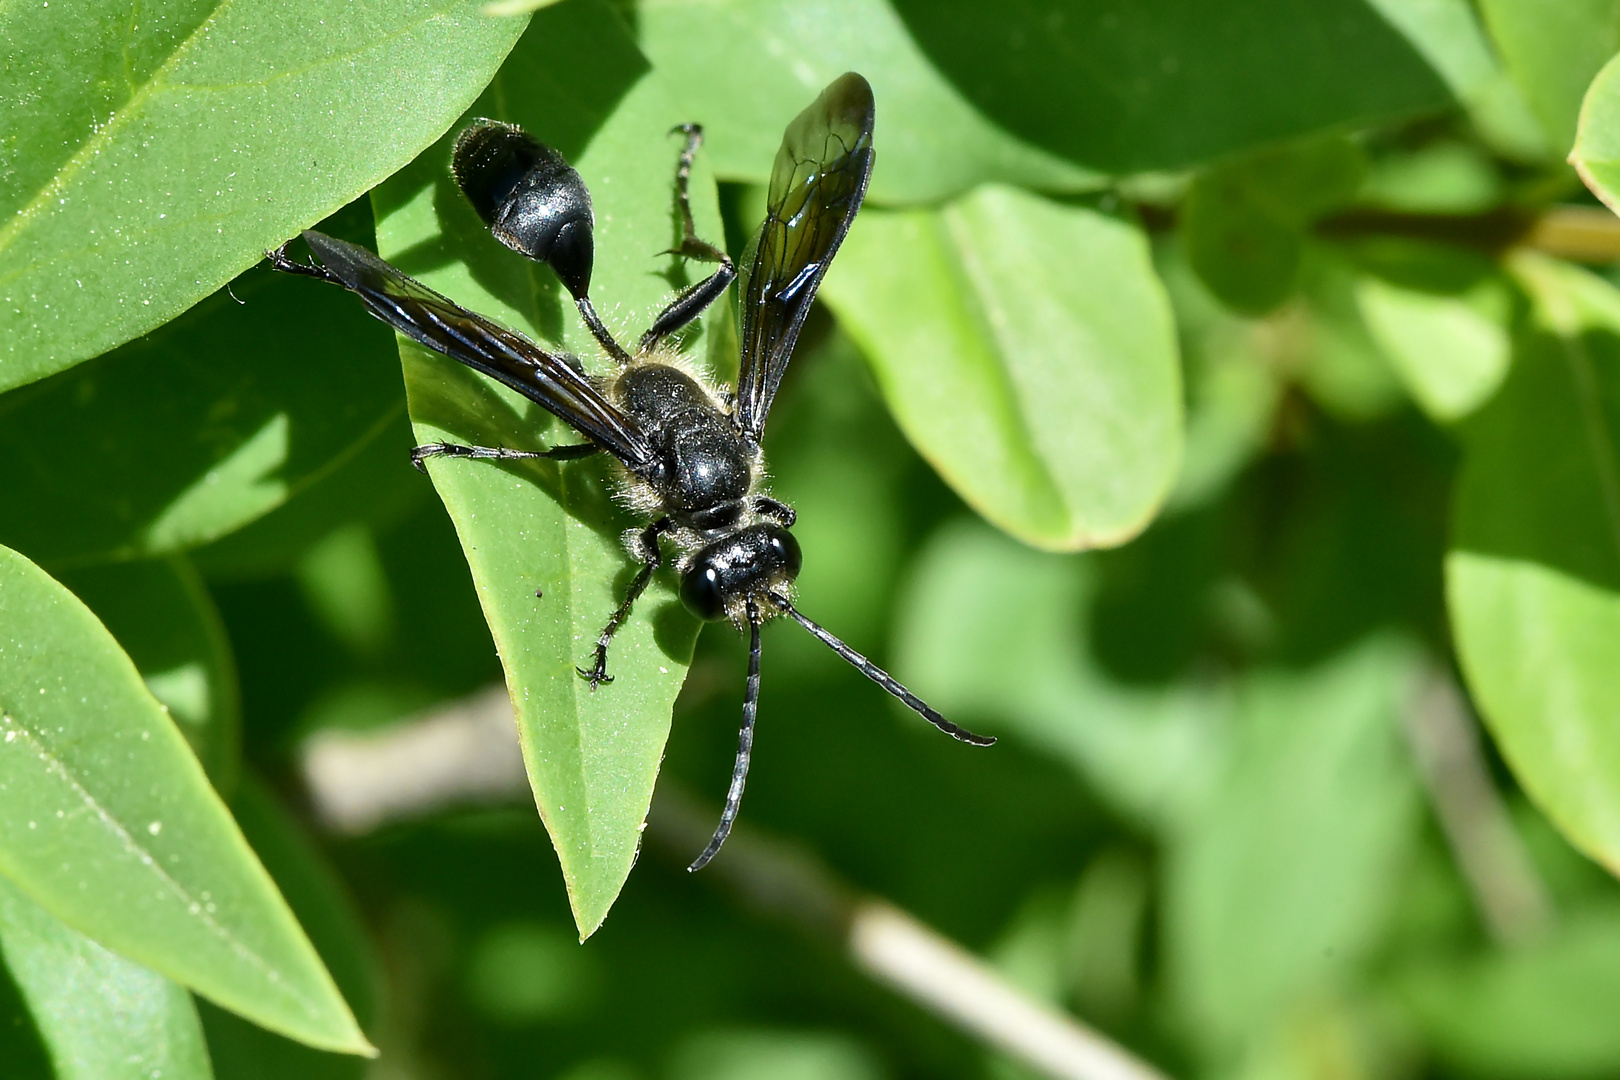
{"points": [[1027, 350], [1539, 1011], [1533, 574], [724, 61], [1162, 84], [113, 829], [205, 425], [242, 1051], [1450, 351], [1597, 145], [1243, 222], [1450, 37], [994, 631], [99, 1016], [1553, 51], [162, 616], [1280, 881], [578, 83], [153, 155]]}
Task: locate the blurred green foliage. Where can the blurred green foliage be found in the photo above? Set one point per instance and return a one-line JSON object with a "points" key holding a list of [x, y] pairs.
{"points": [[1229, 289]]}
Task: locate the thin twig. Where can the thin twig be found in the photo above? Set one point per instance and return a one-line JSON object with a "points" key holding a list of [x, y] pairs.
{"points": [[466, 752], [1510, 896], [1585, 234]]}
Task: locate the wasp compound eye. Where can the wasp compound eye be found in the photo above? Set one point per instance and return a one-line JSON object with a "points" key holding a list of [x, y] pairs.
{"points": [[533, 201], [783, 551], [701, 593]]}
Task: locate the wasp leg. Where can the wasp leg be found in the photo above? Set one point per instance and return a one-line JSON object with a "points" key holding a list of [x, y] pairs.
{"points": [[419, 454], [694, 300], [651, 559], [279, 260], [599, 331], [779, 512]]}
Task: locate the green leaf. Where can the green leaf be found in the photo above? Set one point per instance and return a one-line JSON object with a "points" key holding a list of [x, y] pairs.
{"points": [[240, 1050], [1243, 222], [578, 83], [994, 631], [113, 829], [1280, 882], [1450, 351], [723, 61], [1449, 36], [162, 616], [99, 1016], [1161, 84], [214, 420], [1542, 1010], [1597, 145], [153, 155], [1027, 350], [1553, 51], [1533, 574]]}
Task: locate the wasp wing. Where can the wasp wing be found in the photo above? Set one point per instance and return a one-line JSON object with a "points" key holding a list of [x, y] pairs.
{"points": [[437, 322], [817, 184]]}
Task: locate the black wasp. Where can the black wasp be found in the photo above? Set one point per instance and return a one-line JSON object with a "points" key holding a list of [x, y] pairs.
{"points": [[690, 453]]}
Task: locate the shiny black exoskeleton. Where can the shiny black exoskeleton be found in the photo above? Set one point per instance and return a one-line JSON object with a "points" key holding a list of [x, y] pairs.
{"points": [[690, 452]]}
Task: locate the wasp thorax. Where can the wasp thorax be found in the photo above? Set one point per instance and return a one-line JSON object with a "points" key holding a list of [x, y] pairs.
{"points": [[740, 565], [533, 201]]}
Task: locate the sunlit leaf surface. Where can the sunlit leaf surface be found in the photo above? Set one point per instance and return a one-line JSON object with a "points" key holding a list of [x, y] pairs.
{"points": [[1026, 349], [114, 829], [1552, 51], [1597, 144], [151, 155], [1533, 576]]}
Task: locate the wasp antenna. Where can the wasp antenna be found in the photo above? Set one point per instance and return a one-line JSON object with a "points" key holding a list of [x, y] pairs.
{"points": [[745, 746], [879, 676]]}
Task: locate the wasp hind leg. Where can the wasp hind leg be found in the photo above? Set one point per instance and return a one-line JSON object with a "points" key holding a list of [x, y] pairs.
{"points": [[694, 300]]}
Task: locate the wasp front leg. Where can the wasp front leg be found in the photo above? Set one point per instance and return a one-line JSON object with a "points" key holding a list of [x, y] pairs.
{"points": [[651, 559]]}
